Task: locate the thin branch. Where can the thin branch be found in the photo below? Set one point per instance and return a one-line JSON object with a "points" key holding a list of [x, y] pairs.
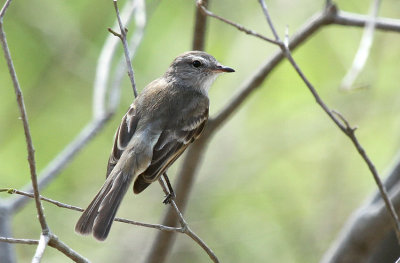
{"points": [[352, 19], [56, 243], [53, 242], [253, 82], [185, 226], [269, 21], [19, 240], [43, 241], [184, 184], [126, 49], [134, 42], [346, 129], [76, 208], [239, 27], [104, 65], [24, 117], [363, 50], [4, 9], [200, 27]]}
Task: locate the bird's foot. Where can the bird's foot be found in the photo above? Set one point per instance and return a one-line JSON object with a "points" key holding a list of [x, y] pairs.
{"points": [[169, 198]]}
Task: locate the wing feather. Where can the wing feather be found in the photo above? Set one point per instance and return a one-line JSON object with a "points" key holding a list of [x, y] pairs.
{"points": [[122, 137], [170, 146]]}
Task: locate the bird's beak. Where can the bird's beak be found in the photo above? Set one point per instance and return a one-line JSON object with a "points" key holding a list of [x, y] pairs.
{"points": [[221, 68]]}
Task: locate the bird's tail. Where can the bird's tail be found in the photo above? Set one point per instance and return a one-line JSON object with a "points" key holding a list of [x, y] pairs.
{"points": [[99, 215]]}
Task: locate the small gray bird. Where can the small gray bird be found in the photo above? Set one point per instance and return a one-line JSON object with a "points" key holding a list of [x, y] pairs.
{"points": [[164, 119]]}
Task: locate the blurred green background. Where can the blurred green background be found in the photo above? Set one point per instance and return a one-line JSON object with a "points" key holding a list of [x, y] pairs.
{"points": [[278, 180]]}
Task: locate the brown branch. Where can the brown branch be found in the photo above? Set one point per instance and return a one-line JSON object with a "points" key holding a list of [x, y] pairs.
{"points": [[52, 242], [346, 129], [185, 226], [239, 27], [200, 26], [76, 208], [43, 241], [140, 17], [19, 241], [24, 117], [253, 82], [329, 16], [56, 243], [184, 183], [4, 9], [122, 36], [352, 19]]}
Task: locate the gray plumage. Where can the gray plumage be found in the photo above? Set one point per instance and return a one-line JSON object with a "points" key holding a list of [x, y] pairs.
{"points": [[162, 122]]}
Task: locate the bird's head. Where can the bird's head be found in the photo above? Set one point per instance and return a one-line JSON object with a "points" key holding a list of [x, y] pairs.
{"points": [[196, 68]]}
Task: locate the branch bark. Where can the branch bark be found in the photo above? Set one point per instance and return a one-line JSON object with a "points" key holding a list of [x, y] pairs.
{"points": [[28, 138], [341, 122]]}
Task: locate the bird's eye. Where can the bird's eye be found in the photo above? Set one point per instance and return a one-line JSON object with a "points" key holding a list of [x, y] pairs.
{"points": [[196, 63]]}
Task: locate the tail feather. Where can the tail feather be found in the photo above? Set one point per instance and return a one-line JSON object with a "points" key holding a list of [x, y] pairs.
{"points": [[109, 206], [99, 215]]}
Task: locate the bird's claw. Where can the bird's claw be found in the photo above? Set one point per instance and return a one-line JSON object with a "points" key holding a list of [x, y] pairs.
{"points": [[169, 198]]}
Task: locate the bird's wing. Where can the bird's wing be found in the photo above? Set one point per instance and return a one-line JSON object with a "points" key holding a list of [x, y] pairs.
{"points": [[122, 137], [170, 145]]}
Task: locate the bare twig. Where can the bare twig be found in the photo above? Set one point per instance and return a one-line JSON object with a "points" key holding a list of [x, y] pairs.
{"points": [[134, 42], [346, 129], [56, 243], [253, 82], [122, 36], [31, 152], [52, 242], [351, 19], [76, 208], [200, 26], [104, 64], [239, 27], [363, 50], [19, 241], [185, 226], [43, 241], [4, 9], [24, 117]]}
